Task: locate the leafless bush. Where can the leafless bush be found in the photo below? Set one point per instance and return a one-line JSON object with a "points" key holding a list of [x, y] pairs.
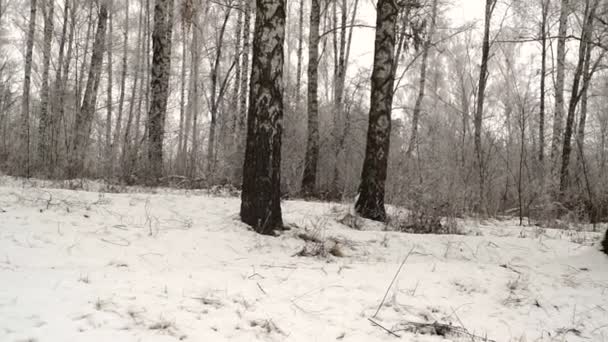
{"points": [[317, 244], [426, 221]]}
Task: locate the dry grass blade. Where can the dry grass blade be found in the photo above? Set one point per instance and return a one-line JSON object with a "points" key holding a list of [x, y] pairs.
{"points": [[393, 281]]}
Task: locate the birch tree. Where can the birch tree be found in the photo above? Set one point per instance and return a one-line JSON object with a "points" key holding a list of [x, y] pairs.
{"points": [[261, 194], [370, 203]]}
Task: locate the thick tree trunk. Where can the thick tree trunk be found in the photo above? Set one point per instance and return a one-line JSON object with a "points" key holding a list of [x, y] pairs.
{"points": [[44, 134], [84, 118], [478, 120], [159, 85], [23, 155], [312, 147], [370, 203], [421, 88], [261, 195]]}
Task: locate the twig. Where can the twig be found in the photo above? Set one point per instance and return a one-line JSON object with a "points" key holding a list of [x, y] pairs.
{"points": [[123, 243], [383, 328], [261, 289], [393, 281]]}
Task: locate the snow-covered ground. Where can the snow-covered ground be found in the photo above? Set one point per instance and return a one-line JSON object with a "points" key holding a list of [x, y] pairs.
{"points": [[177, 265]]}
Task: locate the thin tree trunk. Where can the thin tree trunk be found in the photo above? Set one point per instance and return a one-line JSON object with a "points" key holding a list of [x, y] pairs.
{"points": [[194, 95], [83, 65], [232, 139], [127, 148], [143, 99], [584, 46], [182, 99], [23, 156], [121, 100], [161, 68], [483, 78], [63, 87], [216, 97], [297, 90], [370, 203], [558, 117], [57, 91], [580, 136], [421, 88], [44, 135], [84, 119], [109, 104], [261, 195], [312, 147], [242, 119], [237, 72], [543, 73]]}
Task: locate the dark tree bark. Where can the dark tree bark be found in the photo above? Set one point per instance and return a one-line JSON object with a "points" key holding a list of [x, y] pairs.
{"points": [[84, 118], [478, 119], [312, 147], [159, 85], [605, 243], [23, 156], [370, 203], [261, 195]]}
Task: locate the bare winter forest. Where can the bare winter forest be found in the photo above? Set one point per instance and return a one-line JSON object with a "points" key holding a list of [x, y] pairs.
{"points": [[398, 121], [505, 113]]}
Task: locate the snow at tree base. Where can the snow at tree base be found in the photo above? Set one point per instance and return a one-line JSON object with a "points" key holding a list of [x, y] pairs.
{"points": [[168, 265]]}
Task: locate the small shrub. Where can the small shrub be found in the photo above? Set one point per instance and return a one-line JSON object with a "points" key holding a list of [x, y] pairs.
{"points": [[426, 221]]}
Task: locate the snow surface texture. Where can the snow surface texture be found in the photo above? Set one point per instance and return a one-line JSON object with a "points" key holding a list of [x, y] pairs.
{"points": [[178, 265]]}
